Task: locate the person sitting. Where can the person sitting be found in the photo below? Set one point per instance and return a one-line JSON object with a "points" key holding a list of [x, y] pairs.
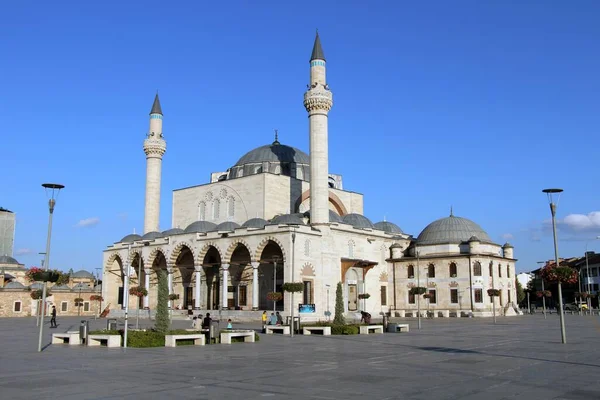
{"points": [[272, 319], [279, 319], [229, 325]]}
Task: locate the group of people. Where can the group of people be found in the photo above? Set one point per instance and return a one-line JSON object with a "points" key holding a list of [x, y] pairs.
{"points": [[274, 319], [204, 323]]}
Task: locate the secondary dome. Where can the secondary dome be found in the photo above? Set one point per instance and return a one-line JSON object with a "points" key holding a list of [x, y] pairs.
{"points": [[200, 226], [257, 223], [152, 235], [388, 227], [173, 231], [333, 216], [287, 219], [275, 152], [452, 230], [83, 274], [8, 260], [130, 238], [228, 226], [357, 221]]}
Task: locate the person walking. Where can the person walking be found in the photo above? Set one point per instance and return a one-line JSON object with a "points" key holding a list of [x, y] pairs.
{"points": [[53, 319], [264, 321]]}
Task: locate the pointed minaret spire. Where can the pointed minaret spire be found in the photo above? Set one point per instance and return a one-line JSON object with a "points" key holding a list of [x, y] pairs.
{"points": [[276, 142], [451, 212], [156, 106], [317, 52]]}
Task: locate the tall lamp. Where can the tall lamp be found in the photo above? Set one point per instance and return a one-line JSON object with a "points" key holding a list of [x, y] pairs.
{"points": [[543, 289], [52, 190], [551, 193]]}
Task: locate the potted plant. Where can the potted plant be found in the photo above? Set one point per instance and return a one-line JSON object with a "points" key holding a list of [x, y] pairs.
{"points": [[417, 290], [364, 296], [35, 274], [138, 291], [493, 293], [293, 287], [173, 296], [78, 304], [37, 294], [98, 298]]}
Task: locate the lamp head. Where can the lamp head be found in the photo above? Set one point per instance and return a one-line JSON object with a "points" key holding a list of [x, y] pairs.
{"points": [[52, 190]]}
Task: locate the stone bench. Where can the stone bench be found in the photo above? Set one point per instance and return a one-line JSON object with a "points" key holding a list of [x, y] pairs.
{"points": [[98, 340], [394, 328], [71, 337], [284, 329], [366, 329], [308, 330], [171, 340], [247, 335]]}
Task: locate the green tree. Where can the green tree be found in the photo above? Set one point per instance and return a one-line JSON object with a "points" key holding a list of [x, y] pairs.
{"points": [[339, 306], [520, 291], [162, 311]]}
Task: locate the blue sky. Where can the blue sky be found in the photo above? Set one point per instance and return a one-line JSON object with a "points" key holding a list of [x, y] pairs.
{"points": [[478, 105]]}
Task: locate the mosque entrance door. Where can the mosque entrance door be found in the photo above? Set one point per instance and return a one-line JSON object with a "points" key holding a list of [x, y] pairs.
{"points": [[352, 297]]}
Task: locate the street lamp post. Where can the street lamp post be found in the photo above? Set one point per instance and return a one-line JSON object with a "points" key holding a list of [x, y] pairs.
{"points": [[550, 193], [52, 190], [543, 291], [528, 304], [38, 302], [418, 295], [293, 227]]}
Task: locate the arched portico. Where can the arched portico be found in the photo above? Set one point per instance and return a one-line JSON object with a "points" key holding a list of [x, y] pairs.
{"points": [[183, 274], [113, 280], [158, 262], [240, 277], [211, 264], [270, 274]]}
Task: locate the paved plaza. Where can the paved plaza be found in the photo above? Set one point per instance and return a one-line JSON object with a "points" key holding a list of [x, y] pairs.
{"points": [[519, 358]]}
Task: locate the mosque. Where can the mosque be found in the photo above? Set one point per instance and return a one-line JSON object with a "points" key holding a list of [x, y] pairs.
{"points": [[278, 215]]}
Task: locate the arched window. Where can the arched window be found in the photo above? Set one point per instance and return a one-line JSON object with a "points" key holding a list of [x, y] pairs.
{"points": [[277, 169], [201, 211], [411, 271], [216, 206], [477, 268], [491, 268], [230, 207], [508, 271], [431, 271], [499, 271], [453, 272]]}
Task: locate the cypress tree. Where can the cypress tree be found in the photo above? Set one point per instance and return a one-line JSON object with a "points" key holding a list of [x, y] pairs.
{"points": [[162, 309], [339, 306]]}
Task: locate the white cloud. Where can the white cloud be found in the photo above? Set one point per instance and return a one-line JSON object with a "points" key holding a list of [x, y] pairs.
{"points": [[88, 222], [581, 222], [24, 252], [507, 236]]}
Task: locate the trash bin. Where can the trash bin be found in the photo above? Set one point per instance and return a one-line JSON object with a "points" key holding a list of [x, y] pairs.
{"points": [[213, 331], [296, 326], [84, 328], [111, 324], [385, 322]]}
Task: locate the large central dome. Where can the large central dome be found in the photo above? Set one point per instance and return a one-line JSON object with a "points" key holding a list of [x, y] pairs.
{"points": [[276, 153], [451, 230]]}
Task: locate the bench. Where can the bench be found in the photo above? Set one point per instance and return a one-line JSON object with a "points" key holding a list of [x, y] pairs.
{"points": [[366, 329], [70, 337], [99, 340], [247, 335], [284, 329], [394, 328], [199, 339], [308, 330]]}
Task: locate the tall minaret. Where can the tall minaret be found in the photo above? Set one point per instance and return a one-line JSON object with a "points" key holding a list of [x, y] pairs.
{"points": [[318, 101], [154, 147]]}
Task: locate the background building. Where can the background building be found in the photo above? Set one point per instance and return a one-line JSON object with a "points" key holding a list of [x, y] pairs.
{"points": [[7, 232]]}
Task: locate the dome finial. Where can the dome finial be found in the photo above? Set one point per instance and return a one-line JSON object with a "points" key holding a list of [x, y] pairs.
{"points": [[451, 212], [276, 142]]}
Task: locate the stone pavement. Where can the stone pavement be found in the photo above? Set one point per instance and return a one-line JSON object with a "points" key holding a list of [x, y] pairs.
{"points": [[519, 358]]}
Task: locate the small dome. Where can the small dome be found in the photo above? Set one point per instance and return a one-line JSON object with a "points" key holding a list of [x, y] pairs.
{"points": [[200, 227], [275, 152], [173, 231], [507, 246], [152, 235], [452, 230], [8, 260], [388, 227], [130, 238], [36, 285], [83, 274], [287, 219], [228, 226], [396, 246], [14, 285], [60, 287], [333, 216], [257, 223], [357, 221], [82, 286]]}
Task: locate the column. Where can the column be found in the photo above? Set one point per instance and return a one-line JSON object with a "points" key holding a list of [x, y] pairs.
{"points": [[147, 273], [255, 265], [198, 270], [170, 281], [225, 284]]}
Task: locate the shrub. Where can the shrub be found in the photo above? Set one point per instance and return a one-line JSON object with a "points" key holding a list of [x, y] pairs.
{"points": [[339, 319], [344, 329], [145, 339], [162, 308], [105, 332]]}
